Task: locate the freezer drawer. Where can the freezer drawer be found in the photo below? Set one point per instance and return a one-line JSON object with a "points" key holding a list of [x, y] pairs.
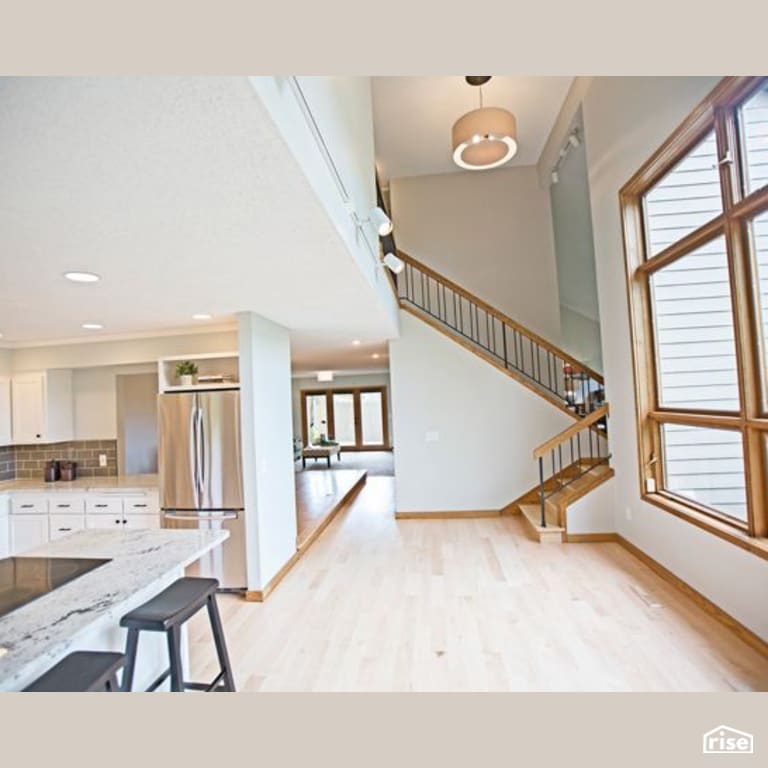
{"points": [[225, 563]]}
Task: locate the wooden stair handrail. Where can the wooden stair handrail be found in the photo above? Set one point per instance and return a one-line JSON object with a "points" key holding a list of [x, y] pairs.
{"points": [[568, 433], [500, 316]]}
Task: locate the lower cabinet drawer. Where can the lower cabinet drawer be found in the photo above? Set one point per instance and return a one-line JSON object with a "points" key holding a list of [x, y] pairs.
{"points": [[141, 505], [29, 505], [61, 525], [104, 505], [66, 505]]}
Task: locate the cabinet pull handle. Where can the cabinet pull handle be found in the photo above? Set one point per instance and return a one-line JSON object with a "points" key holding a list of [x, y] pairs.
{"points": [[101, 506], [139, 505], [65, 529], [63, 506], [27, 506]]}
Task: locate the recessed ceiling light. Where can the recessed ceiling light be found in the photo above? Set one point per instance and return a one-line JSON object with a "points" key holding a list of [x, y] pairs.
{"points": [[82, 277], [375, 355], [201, 316], [92, 326], [356, 342]]}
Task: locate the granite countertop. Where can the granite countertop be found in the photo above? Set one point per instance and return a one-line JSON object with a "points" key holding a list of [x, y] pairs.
{"points": [[83, 484], [143, 562]]}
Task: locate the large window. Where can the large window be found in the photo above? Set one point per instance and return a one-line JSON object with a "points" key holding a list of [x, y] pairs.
{"points": [[696, 238], [355, 418]]}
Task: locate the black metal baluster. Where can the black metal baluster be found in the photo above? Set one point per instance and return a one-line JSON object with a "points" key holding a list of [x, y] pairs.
{"points": [[541, 486], [560, 457]]}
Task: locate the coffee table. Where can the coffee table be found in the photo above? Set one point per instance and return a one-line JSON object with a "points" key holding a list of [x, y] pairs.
{"points": [[320, 452]]}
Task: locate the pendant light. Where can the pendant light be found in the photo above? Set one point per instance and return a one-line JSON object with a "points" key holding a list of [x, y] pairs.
{"points": [[486, 137]]}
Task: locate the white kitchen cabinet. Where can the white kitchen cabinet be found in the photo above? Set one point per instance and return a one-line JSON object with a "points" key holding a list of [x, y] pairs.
{"points": [[28, 532], [142, 521], [104, 521], [66, 504], [6, 435], [61, 525], [5, 526], [42, 407]]}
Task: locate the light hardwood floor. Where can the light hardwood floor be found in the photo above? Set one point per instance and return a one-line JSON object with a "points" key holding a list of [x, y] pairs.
{"points": [[317, 494], [470, 605]]}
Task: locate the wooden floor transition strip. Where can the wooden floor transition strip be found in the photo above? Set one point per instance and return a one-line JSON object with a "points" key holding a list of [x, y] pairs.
{"points": [[259, 595]]}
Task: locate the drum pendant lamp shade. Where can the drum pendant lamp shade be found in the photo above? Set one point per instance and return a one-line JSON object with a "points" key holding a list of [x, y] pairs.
{"points": [[484, 138]]}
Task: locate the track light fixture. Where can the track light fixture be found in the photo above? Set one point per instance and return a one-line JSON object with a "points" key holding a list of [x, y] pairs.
{"points": [[555, 177], [396, 264], [377, 218]]}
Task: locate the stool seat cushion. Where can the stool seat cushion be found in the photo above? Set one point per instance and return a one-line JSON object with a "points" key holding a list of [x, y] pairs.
{"points": [[80, 671], [172, 606]]}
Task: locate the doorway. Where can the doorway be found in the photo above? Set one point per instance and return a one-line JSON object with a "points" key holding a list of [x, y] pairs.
{"points": [[356, 418]]}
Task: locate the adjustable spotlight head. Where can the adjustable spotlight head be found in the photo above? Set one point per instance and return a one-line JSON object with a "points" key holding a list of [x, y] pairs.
{"points": [[574, 139], [555, 177], [397, 265], [381, 222]]}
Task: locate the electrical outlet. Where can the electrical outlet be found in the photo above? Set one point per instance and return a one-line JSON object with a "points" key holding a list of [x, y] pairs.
{"points": [[102, 459]]}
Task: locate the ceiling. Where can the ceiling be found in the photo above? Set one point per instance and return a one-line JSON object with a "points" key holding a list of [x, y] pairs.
{"points": [[413, 117], [181, 193]]}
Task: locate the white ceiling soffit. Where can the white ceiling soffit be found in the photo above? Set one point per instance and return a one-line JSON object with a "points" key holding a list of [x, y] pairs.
{"points": [[181, 194], [413, 117]]}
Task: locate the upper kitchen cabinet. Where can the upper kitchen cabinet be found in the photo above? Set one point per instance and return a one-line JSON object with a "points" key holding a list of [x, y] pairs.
{"points": [[42, 407], [5, 411]]}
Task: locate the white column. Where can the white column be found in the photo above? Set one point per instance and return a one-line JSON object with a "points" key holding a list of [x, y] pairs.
{"points": [[267, 445]]}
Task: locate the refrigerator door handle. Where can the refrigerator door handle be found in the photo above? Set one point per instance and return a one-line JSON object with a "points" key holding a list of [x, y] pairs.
{"points": [[201, 464], [214, 517], [193, 451]]}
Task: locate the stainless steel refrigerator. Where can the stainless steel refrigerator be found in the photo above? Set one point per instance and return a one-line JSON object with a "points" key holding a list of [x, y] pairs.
{"points": [[201, 476]]}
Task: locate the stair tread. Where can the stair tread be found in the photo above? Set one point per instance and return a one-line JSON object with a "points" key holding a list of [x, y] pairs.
{"points": [[533, 513]]}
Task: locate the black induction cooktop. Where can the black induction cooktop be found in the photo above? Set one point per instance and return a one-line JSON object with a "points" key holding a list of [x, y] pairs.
{"points": [[24, 579]]}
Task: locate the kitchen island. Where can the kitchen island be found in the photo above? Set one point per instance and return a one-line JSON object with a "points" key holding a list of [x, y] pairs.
{"points": [[84, 614]]}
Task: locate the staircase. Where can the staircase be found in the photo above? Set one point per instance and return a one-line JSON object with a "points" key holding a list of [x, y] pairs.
{"points": [[573, 462]]}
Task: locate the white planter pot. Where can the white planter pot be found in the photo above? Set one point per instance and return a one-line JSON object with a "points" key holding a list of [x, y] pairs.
{"points": [[187, 380]]}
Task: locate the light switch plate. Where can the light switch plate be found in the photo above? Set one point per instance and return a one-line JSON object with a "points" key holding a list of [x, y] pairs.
{"points": [[102, 459]]}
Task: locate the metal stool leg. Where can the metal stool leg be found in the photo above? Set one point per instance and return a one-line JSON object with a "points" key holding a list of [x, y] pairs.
{"points": [[130, 659], [221, 647]]}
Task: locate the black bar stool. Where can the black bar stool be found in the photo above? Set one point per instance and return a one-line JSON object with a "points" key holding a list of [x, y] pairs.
{"points": [[81, 671], [167, 612]]}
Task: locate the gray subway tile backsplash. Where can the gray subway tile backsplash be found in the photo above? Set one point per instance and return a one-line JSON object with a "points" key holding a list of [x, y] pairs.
{"points": [[28, 461]]}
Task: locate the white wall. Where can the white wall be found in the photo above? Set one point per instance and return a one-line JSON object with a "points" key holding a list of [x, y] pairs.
{"points": [[95, 399], [626, 119], [594, 513], [343, 112], [487, 423], [490, 232], [5, 361], [379, 379], [268, 469]]}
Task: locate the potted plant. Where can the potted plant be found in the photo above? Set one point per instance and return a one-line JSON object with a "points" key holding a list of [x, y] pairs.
{"points": [[186, 371]]}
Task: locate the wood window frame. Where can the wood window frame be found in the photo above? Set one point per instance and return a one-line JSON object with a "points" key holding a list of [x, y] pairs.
{"points": [[717, 111], [356, 392]]}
